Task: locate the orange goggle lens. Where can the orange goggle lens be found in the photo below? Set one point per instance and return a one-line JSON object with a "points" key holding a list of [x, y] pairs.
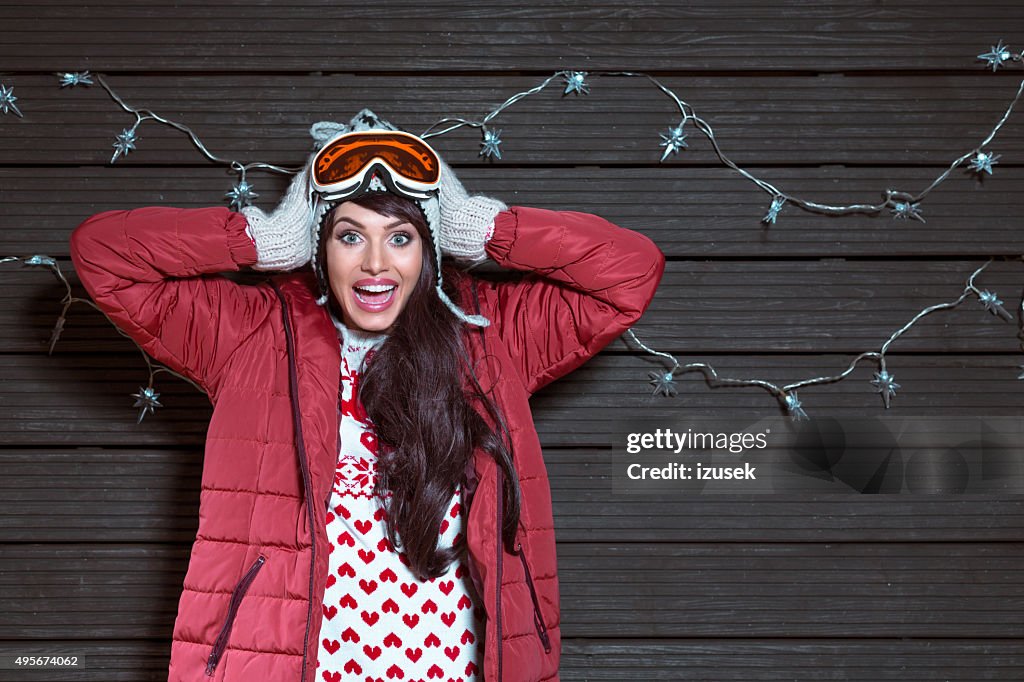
{"points": [[340, 168]]}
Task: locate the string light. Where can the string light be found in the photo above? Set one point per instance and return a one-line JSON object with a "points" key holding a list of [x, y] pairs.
{"points": [[146, 398], [240, 195], [883, 381], [902, 205]]}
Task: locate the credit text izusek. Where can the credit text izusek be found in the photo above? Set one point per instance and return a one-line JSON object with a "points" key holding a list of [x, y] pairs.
{"points": [[685, 472]]}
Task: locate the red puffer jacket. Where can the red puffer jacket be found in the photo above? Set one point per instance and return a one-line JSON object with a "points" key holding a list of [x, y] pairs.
{"points": [[251, 604]]}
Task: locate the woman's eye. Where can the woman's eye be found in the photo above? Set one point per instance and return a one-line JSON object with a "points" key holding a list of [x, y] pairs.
{"points": [[351, 238]]}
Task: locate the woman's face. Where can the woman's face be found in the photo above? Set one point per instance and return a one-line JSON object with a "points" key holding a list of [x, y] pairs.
{"points": [[373, 264]]}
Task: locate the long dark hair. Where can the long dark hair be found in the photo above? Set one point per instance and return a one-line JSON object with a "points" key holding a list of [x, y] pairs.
{"points": [[418, 391]]}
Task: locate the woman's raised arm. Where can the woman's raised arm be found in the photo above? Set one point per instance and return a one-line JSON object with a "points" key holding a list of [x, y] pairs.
{"points": [[152, 272], [589, 281]]}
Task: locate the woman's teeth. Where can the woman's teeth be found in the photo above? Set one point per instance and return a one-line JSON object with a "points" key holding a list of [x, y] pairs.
{"points": [[375, 293]]}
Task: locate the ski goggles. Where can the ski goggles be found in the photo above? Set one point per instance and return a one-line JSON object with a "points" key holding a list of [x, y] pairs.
{"points": [[353, 162]]}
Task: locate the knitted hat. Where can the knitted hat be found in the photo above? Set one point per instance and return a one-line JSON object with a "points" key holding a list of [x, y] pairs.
{"points": [[324, 131]]}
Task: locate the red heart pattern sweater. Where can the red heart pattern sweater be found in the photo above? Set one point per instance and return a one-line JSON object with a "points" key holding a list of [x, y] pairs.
{"points": [[380, 622]]}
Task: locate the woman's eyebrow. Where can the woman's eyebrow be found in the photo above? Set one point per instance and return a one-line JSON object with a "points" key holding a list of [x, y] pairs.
{"points": [[355, 223]]}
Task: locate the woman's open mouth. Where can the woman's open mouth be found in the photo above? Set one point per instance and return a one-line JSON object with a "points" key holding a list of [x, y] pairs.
{"points": [[374, 297]]}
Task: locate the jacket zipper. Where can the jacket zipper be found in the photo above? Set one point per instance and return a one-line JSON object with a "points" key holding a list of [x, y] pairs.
{"points": [[498, 545], [538, 620], [300, 443], [236, 599]]}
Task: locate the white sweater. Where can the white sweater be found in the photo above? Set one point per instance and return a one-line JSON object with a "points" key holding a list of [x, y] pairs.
{"points": [[379, 621]]}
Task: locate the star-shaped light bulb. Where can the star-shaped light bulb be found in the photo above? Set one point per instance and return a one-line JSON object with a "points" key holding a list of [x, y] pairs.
{"points": [[7, 100], [663, 383], [575, 81], [241, 195], [40, 259], [992, 304], [125, 143], [147, 400], [983, 162], [794, 406], [903, 210], [492, 138], [997, 55], [73, 79], [773, 210], [673, 141], [886, 385]]}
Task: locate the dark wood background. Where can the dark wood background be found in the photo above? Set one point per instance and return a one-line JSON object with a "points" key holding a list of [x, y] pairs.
{"points": [[832, 101]]}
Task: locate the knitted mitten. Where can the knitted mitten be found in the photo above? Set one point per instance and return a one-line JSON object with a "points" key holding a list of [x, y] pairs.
{"points": [[466, 222], [284, 238]]}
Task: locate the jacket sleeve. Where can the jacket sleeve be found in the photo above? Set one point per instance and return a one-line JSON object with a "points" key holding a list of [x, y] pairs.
{"points": [[151, 271], [588, 281]]}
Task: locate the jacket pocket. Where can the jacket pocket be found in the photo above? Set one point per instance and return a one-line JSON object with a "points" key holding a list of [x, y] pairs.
{"points": [[236, 599], [538, 620]]}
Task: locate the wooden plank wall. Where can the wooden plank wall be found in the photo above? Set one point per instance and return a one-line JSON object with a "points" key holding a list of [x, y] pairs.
{"points": [[833, 101]]}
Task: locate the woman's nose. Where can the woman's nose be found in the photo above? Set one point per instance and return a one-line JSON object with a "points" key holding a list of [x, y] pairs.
{"points": [[374, 258]]}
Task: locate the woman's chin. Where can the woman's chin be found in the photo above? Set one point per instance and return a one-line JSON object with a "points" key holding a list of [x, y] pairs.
{"points": [[374, 324]]}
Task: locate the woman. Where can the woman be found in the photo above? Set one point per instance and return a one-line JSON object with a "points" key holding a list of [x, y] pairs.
{"points": [[374, 500]]}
